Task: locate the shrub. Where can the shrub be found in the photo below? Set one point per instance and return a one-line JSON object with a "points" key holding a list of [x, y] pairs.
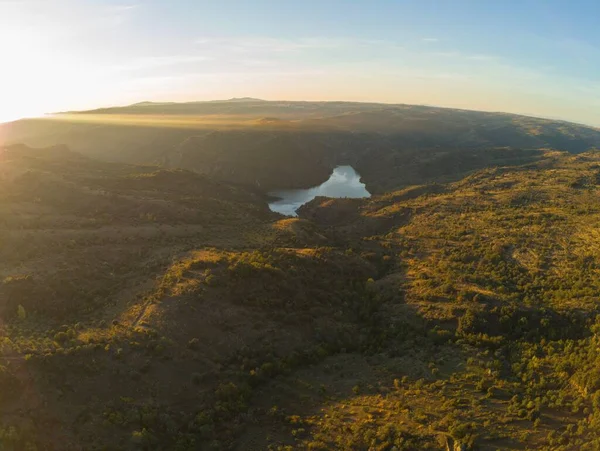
{"points": [[61, 337], [193, 343], [21, 313]]}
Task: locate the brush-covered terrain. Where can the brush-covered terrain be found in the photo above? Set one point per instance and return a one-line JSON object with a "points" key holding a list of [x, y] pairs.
{"points": [[145, 306]]}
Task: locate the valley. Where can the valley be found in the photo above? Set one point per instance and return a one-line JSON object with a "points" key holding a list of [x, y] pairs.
{"points": [[150, 299]]}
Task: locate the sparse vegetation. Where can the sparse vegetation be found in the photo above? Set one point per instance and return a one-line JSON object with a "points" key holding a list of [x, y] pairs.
{"points": [[145, 308]]}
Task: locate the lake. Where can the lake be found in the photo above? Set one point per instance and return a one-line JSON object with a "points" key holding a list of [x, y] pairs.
{"points": [[343, 182]]}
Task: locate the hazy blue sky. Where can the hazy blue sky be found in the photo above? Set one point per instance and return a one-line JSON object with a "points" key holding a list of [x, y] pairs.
{"points": [[539, 57]]}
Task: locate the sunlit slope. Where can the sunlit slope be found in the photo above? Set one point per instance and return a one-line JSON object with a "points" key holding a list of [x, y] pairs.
{"points": [[487, 321], [505, 235]]}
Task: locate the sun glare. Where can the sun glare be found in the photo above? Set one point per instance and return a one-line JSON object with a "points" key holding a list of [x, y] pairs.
{"points": [[22, 72], [35, 80]]}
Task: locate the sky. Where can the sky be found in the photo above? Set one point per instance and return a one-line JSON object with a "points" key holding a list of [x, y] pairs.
{"points": [[536, 57]]}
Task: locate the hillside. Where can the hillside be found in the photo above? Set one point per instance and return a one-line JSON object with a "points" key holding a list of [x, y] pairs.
{"points": [[148, 307], [491, 311], [279, 145]]}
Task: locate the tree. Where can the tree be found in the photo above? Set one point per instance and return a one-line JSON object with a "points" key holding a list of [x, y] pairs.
{"points": [[21, 313]]}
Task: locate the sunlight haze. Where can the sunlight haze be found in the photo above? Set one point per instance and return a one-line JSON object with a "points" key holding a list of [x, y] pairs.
{"points": [[326, 225], [532, 57]]}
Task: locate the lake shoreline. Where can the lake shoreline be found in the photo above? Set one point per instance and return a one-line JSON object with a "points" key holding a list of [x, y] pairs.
{"points": [[344, 182]]}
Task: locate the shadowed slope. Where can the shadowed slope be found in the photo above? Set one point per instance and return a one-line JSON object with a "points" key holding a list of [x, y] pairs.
{"points": [[263, 143]]}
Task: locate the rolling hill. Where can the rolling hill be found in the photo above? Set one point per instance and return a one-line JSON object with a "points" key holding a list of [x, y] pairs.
{"points": [[150, 300]]}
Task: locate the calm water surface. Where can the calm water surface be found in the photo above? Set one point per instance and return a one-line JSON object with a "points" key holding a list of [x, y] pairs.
{"points": [[343, 182]]}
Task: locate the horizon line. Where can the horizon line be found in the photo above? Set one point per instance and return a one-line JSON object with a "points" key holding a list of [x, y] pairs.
{"points": [[255, 99]]}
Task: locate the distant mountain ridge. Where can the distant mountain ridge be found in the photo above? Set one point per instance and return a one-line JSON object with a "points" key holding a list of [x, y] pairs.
{"points": [[288, 144]]}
